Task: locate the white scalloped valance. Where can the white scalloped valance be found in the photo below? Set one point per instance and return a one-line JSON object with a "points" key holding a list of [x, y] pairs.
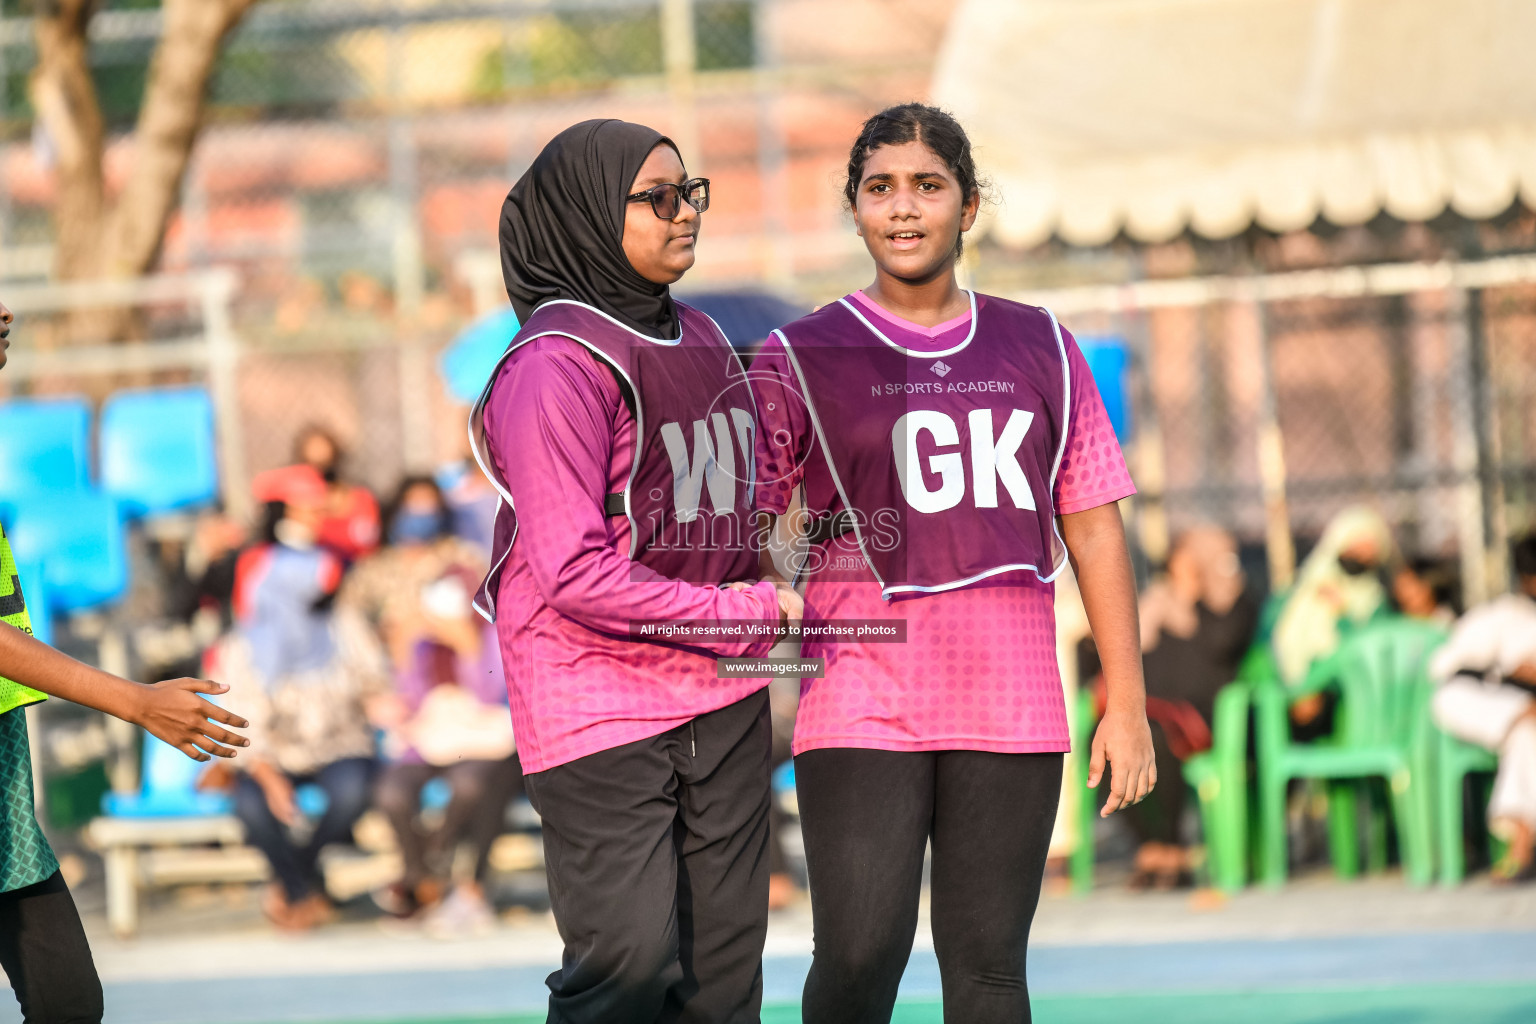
{"points": [[1093, 116]]}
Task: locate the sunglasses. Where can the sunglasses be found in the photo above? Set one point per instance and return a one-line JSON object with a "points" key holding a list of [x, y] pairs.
{"points": [[667, 198]]}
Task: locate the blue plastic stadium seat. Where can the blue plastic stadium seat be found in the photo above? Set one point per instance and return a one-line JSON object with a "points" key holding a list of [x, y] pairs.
{"points": [[79, 540], [169, 788], [783, 778], [467, 362], [45, 446], [1109, 362], [436, 793], [311, 800], [157, 449]]}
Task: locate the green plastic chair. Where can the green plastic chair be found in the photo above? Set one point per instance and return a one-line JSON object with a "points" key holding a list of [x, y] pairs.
{"points": [[1218, 776], [1080, 864], [1379, 673], [1454, 761]]}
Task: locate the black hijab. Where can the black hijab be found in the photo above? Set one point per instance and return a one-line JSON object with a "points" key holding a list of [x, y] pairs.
{"points": [[562, 228]]}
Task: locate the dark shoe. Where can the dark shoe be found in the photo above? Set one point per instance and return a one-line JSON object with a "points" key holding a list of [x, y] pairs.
{"points": [[396, 900]]}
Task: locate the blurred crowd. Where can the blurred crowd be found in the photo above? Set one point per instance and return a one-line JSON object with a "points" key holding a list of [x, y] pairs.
{"points": [[345, 631], [1202, 620]]}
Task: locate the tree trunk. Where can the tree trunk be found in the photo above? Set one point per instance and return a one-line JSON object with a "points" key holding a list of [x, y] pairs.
{"points": [[194, 32], [94, 238], [64, 96]]}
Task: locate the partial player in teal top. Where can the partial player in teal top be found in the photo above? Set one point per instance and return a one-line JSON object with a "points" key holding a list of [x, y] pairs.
{"points": [[13, 612], [42, 944], [25, 856]]}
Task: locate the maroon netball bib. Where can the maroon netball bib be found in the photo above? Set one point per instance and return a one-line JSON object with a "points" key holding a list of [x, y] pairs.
{"points": [[689, 494], [945, 460]]}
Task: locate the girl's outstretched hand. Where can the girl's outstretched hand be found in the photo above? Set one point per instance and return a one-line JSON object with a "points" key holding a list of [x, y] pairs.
{"points": [[174, 712], [1123, 744]]}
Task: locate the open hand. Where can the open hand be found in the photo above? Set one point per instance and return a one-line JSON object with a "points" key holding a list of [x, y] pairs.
{"points": [[791, 604], [174, 712], [1123, 744]]}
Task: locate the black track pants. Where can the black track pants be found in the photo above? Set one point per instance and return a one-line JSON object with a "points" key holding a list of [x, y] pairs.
{"points": [[657, 859], [44, 952], [867, 816]]}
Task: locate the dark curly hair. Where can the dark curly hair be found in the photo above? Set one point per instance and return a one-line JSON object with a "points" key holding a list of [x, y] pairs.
{"points": [[1525, 555], [916, 122]]}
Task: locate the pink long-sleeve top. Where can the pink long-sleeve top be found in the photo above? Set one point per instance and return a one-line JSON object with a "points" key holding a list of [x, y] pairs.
{"points": [[562, 437]]}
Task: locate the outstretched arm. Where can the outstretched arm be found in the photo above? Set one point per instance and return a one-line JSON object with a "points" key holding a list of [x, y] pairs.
{"points": [[171, 710], [1123, 741]]}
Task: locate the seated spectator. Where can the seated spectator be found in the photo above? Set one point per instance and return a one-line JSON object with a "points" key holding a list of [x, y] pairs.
{"points": [[1487, 696], [303, 674], [293, 501], [210, 565], [194, 577], [1196, 626], [422, 549], [1338, 589], [472, 500], [448, 715], [350, 525], [1425, 589], [448, 719]]}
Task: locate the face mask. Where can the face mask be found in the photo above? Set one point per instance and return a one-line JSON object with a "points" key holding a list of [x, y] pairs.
{"points": [[446, 599], [415, 527], [1354, 566], [293, 534]]}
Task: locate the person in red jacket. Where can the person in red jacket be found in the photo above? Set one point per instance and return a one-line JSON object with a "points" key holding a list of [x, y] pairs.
{"points": [[350, 524]]}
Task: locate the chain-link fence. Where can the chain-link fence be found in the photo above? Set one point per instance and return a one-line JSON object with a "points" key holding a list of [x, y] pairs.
{"points": [[1415, 397], [377, 137], [356, 153]]}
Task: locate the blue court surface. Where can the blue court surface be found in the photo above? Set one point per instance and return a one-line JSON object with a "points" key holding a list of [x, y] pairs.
{"points": [[1426, 978]]}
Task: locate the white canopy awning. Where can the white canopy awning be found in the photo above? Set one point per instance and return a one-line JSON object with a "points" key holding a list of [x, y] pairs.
{"points": [[1093, 116]]}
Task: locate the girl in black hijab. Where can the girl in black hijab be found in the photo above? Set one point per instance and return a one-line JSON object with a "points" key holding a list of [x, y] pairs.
{"points": [[562, 227], [648, 768]]}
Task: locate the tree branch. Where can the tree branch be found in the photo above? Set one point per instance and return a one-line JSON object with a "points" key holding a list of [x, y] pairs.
{"points": [[194, 32]]}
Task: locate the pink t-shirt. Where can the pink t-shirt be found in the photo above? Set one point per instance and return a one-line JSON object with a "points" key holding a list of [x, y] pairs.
{"points": [[562, 438], [978, 669]]}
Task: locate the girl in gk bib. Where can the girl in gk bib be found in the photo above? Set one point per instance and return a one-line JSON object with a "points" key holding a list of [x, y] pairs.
{"points": [[954, 455]]}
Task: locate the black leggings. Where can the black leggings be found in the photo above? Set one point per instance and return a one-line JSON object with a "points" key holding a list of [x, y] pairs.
{"points": [[44, 952], [866, 816]]}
